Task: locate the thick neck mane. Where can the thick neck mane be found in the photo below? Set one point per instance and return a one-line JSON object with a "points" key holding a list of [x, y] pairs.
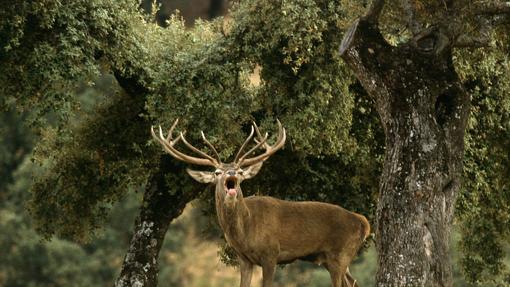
{"points": [[233, 217]]}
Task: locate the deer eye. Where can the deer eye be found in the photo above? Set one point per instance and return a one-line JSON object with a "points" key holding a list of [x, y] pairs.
{"points": [[218, 172], [240, 172]]}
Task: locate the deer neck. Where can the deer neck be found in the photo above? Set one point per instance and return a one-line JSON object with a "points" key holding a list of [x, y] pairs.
{"points": [[233, 217]]}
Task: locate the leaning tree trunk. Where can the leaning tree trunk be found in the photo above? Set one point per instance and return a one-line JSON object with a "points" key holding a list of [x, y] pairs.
{"points": [[423, 110], [159, 208]]}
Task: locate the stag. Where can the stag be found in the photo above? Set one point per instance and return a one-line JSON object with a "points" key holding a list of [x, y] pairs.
{"points": [[266, 231]]}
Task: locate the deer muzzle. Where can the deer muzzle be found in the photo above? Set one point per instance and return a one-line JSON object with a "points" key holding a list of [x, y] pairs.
{"points": [[230, 186]]}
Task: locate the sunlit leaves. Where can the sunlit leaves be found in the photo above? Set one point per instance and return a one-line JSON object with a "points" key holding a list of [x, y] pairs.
{"points": [[483, 206]]}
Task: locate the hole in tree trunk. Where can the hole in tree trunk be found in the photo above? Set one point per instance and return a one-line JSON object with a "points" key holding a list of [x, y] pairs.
{"points": [[444, 107]]}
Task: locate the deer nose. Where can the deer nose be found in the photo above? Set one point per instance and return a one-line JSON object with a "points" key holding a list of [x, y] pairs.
{"points": [[231, 173]]}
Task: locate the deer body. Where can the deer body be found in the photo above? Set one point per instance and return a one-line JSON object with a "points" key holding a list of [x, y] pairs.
{"points": [[266, 231], [290, 230]]}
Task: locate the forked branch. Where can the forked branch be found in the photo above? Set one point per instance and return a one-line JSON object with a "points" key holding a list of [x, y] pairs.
{"points": [[410, 11]]}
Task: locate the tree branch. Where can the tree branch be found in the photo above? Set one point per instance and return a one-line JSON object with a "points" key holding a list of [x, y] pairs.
{"points": [[372, 16], [409, 7], [132, 85], [466, 41], [493, 8], [475, 41]]}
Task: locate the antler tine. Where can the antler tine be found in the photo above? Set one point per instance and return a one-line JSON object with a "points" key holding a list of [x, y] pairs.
{"points": [[168, 145], [197, 150], [210, 146], [259, 135], [164, 142], [269, 149], [263, 141], [170, 131], [244, 144]]}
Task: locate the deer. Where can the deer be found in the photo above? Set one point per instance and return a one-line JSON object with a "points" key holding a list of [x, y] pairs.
{"points": [[266, 231]]}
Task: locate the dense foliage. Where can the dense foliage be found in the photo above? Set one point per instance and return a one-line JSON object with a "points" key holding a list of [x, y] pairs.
{"points": [[202, 74], [483, 207], [91, 158]]}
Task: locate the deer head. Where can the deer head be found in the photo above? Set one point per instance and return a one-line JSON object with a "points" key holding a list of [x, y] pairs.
{"points": [[227, 177]]}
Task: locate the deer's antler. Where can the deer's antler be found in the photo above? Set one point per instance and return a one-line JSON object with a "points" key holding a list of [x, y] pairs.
{"points": [[262, 141], [169, 142]]}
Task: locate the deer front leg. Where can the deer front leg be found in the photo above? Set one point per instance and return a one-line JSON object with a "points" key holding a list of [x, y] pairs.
{"points": [[337, 267], [246, 272], [334, 273], [268, 273]]}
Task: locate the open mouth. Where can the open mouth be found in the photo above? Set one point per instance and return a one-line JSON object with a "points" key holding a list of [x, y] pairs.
{"points": [[230, 185]]}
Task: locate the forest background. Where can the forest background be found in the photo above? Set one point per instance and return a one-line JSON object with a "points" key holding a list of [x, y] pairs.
{"points": [[91, 253]]}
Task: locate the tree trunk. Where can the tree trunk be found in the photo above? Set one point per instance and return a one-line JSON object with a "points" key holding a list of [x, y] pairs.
{"points": [[159, 208], [423, 109]]}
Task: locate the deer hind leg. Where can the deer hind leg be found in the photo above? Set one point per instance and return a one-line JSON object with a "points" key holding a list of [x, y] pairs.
{"points": [[246, 272], [337, 266]]}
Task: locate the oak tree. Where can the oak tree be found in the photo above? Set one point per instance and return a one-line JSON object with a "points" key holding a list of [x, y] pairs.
{"points": [[415, 67]]}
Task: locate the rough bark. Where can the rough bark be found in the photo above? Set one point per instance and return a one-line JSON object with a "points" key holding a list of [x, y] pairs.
{"points": [[159, 208], [423, 109]]}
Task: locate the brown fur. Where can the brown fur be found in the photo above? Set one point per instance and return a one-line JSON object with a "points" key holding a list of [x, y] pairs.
{"points": [[266, 231], [259, 225]]}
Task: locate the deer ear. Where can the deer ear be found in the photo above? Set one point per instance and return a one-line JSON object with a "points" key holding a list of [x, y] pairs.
{"points": [[201, 176], [252, 170]]}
